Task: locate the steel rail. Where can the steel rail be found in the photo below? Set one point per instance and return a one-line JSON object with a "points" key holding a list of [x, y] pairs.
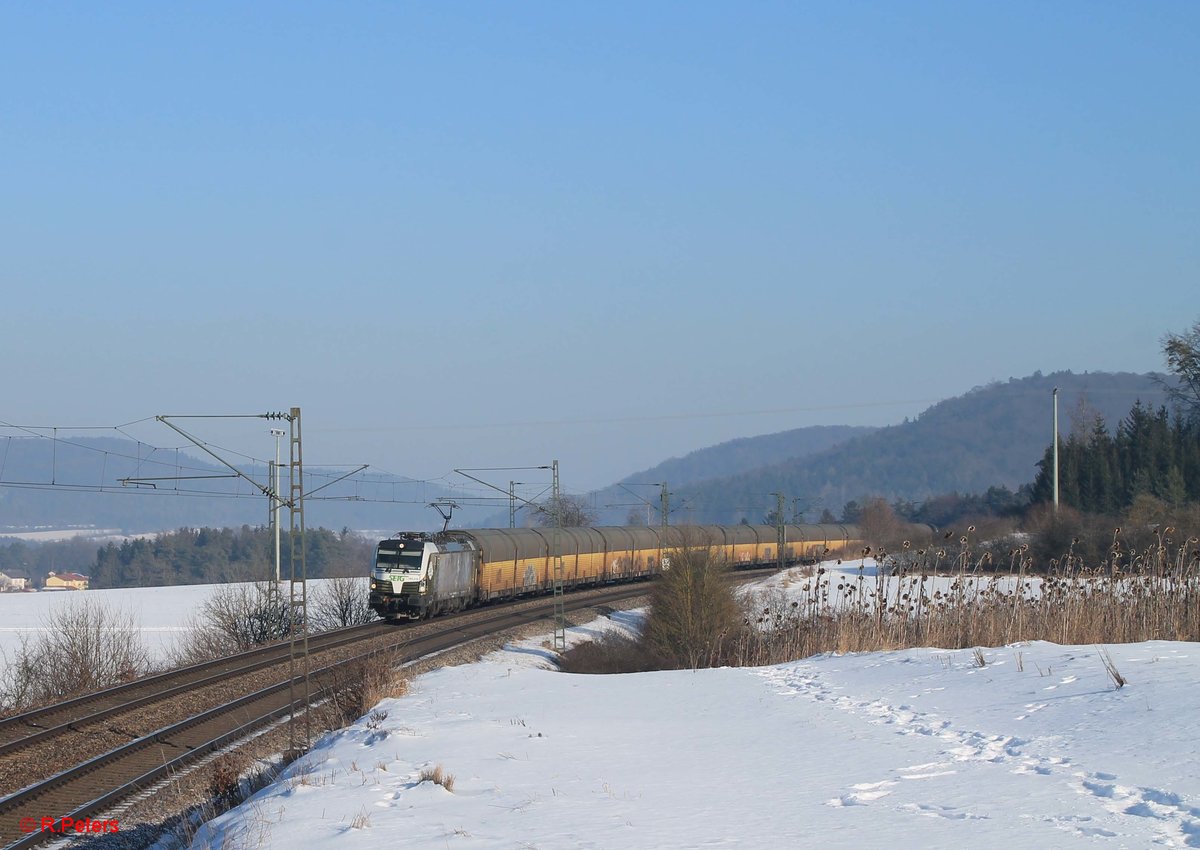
{"points": [[147, 690]]}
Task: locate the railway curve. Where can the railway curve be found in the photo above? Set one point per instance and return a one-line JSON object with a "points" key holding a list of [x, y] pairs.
{"points": [[87, 789]]}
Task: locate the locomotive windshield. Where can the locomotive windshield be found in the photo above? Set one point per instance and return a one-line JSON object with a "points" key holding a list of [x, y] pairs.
{"points": [[399, 557]]}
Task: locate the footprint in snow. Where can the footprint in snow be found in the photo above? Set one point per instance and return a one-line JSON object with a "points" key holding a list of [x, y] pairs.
{"points": [[858, 798], [933, 810], [1175, 819]]}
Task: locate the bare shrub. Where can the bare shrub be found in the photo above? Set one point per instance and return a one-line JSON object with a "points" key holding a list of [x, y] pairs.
{"points": [[84, 646], [1067, 540], [352, 689], [693, 611], [615, 652], [341, 602], [224, 778], [237, 617], [438, 776]]}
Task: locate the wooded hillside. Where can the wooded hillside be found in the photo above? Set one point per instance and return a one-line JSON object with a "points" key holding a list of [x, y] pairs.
{"points": [[993, 436]]}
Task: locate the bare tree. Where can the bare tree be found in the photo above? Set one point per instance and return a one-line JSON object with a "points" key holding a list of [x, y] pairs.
{"points": [[85, 646], [880, 525], [341, 602], [1183, 359], [237, 617], [567, 511]]}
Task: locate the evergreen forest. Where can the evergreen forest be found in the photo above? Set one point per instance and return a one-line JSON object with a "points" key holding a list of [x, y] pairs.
{"points": [[1152, 452], [191, 556]]}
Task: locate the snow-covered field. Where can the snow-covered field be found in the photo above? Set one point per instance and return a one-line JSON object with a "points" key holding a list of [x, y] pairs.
{"points": [[915, 748], [162, 612], [98, 535]]}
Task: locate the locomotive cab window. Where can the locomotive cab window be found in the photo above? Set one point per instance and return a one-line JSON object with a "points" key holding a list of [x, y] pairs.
{"points": [[399, 560]]}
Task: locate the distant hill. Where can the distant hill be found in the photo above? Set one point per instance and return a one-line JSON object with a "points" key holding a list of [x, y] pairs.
{"points": [[992, 436], [747, 453], [77, 483], [724, 459]]}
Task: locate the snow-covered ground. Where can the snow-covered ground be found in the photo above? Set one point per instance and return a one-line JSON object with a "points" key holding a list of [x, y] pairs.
{"points": [[915, 748]]}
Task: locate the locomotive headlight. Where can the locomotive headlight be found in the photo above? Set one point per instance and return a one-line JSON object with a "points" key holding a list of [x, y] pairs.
{"points": [[374, 586]]}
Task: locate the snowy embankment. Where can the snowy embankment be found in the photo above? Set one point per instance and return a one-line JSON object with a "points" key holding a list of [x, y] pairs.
{"points": [[917, 748]]}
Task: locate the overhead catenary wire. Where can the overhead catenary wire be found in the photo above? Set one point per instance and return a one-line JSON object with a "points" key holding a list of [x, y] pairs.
{"points": [[595, 420], [182, 472]]}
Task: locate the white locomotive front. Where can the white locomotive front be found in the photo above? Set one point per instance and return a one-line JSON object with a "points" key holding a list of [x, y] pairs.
{"points": [[418, 575]]}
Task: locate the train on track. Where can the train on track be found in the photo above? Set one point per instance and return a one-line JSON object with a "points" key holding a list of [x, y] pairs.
{"points": [[421, 574]]}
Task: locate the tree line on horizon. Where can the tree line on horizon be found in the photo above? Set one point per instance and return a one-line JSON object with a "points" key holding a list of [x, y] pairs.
{"points": [[190, 556], [212, 555]]}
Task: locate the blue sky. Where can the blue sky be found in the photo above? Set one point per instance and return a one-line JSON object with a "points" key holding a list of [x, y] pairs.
{"points": [[469, 234]]}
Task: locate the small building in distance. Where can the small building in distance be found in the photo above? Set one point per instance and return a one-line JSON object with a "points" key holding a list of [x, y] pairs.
{"points": [[13, 581], [66, 581]]}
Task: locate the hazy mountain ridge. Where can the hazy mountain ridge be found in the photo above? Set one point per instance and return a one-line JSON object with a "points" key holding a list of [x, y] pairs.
{"points": [[743, 453], [731, 457], [993, 435], [76, 482]]}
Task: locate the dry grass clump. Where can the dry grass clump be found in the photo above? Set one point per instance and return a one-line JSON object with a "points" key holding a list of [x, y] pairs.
{"points": [[438, 776], [1110, 667]]}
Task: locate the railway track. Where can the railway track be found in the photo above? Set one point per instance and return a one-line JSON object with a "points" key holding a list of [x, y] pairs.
{"points": [[43, 724], [87, 789]]}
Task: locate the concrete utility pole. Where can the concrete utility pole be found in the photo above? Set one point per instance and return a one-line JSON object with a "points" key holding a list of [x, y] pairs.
{"points": [[298, 580], [560, 611], [666, 505], [781, 531], [1055, 394], [276, 502]]}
